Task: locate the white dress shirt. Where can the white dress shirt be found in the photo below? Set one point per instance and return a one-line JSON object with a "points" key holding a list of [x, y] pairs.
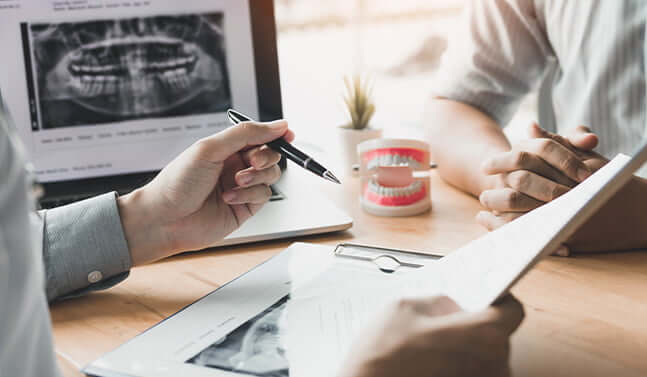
{"points": [[587, 57]]}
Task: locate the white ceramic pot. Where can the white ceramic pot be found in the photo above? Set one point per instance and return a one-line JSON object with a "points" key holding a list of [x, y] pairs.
{"points": [[349, 139]]}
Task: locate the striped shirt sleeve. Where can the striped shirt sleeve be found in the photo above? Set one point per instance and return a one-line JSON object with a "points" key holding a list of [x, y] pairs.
{"points": [[499, 53]]}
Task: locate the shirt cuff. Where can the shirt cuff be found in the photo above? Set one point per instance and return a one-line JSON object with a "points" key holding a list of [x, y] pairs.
{"points": [[84, 247]]}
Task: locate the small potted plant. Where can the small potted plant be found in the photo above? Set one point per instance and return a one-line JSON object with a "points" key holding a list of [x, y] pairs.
{"points": [[361, 108]]}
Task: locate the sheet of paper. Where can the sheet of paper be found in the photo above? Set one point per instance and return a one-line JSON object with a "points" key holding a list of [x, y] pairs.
{"points": [[474, 276], [323, 330], [478, 273]]}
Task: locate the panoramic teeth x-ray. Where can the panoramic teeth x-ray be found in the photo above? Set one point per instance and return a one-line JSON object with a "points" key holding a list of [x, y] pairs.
{"points": [[254, 348], [103, 71]]}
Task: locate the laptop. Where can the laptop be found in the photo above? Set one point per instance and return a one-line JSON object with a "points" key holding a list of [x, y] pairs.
{"points": [[104, 97]]}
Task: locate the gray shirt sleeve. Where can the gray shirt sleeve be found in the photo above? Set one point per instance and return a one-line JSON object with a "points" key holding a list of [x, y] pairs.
{"points": [[84, 247], [25, 327], [498, 55]]}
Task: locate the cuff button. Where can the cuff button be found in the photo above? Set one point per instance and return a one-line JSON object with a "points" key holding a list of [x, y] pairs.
{"points": [[95, 277]]}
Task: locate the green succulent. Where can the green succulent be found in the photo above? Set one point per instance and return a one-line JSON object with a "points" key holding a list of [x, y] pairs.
{"points": [[359, 102]]}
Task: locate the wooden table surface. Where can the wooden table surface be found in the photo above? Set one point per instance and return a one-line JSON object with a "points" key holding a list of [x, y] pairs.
{"points": [[586, 316]]}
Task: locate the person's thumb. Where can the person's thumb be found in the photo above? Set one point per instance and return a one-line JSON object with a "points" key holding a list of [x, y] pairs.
{"points": [[582, 138], [220, 146]]}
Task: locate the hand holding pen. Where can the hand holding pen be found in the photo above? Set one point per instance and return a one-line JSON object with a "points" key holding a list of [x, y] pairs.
{"points": [[288, 150]]}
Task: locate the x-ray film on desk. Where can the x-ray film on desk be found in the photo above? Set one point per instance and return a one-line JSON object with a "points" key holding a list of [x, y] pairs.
{"points": [[246, 326]]}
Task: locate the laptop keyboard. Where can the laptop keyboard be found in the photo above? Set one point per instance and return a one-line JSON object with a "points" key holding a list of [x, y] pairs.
{"points": [[58, 202]]}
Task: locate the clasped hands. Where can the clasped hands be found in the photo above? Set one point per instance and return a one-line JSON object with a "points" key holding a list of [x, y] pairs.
{"points": [[536, 171]]}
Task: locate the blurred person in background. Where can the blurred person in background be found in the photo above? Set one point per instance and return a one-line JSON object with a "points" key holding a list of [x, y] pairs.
{"points": [[587, 60]]}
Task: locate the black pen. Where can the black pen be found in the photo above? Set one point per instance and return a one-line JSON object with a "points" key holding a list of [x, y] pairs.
{"points": [[288, 150]]}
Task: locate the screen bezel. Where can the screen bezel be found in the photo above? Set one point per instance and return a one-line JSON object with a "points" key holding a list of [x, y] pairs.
{"points": [[263, 26]]}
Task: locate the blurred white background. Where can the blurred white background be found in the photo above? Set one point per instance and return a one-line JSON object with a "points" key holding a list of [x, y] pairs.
{"points": [[397, 43]]}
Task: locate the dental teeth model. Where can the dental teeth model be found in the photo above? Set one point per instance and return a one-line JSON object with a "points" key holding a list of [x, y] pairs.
{"points": [[389, 186]]}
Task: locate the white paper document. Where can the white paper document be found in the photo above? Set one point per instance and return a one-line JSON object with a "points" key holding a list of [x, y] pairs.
{"points": [[474, 275]]}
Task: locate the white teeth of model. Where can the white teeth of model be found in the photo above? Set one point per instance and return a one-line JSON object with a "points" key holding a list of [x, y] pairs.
{"points": [[377, 161]]}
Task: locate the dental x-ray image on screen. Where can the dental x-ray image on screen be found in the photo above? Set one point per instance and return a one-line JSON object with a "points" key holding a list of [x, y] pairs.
{"points": [[254, 348], [105, 71]]}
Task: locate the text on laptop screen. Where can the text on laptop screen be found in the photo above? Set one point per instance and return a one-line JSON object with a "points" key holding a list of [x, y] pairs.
{"points": [[107, 87]]}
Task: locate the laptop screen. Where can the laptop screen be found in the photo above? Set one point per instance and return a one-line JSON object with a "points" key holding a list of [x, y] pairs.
{"points": [[107, 87]]}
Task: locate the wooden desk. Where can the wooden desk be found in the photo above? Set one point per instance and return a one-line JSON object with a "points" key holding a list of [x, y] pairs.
{"points": [[586, 316]]}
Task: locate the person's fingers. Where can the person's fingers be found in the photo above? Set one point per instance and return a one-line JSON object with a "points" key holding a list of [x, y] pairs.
{"points": [[507, 162], [261, 157], [508, 200], [581, 137], [258, 194], [491, 222], [429, 306], [558, 156], [537, 132], [220, 146], [534, 185], [507, 314], [252, 177], [254, 208], [289, 136]]}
